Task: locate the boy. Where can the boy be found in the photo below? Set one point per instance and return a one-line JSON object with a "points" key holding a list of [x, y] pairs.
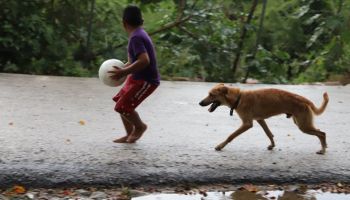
{"points": [[143, 76]]}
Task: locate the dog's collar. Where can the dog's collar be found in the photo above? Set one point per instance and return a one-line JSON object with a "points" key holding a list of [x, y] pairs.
{"points": [[235, 104]]}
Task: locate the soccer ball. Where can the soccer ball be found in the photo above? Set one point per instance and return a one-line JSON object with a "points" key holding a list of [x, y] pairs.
{"points": [[105, 77]]}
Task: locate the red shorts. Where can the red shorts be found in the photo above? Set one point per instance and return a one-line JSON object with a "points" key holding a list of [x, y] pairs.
{"points": [[132, 94]]}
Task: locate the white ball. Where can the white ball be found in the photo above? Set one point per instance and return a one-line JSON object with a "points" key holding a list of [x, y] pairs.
{"points": [[105, 77]]}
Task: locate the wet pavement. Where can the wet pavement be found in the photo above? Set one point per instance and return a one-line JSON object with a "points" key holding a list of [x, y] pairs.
{"points": [[223, 192], [58, 131], [246, 195]]}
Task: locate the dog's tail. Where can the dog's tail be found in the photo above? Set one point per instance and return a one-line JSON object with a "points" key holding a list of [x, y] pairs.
{"points": [[318, 111]]}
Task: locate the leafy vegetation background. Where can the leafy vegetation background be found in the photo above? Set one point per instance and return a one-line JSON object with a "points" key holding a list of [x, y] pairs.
{"points": [[292, 41]]}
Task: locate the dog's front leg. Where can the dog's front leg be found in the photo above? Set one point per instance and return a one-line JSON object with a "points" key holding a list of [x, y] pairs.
{"points": [[245, 126], [268, 133]]}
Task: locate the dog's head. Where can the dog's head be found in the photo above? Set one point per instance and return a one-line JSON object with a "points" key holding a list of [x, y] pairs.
{"points": [[220, 95]]}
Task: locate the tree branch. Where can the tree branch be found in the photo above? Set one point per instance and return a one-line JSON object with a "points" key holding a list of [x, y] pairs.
{"points": [[179, 20], [183, 29], [181, 9], [171, 25]]}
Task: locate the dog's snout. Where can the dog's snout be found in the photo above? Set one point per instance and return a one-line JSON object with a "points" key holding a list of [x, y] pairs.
{"points": [[204, 102]]}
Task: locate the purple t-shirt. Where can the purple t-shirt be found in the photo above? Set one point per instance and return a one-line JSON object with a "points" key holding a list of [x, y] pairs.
{"points": [[140, 42]]}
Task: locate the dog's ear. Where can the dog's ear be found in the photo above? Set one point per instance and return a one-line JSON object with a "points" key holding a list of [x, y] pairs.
{"points": [[223, 89], [232, 94]]}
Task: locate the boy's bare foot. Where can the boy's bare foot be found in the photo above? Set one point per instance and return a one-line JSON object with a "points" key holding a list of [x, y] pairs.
{"points": [[121, 140], [137, 134], [129, 130]]}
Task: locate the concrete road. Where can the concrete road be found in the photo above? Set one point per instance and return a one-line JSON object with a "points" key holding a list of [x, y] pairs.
{"points": [[42, 142]]}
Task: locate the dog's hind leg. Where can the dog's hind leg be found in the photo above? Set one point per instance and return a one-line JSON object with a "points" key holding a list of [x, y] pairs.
{"points": [[268, 133], [244, 127], [321, 136], [305, 124]]}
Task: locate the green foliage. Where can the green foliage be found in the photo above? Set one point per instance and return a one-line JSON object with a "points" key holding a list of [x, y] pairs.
{"points": [[50, 37], [305, 41], [301, 41]]}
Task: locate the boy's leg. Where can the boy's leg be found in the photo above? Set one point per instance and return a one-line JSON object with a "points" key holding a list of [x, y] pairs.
{"points": [[139, 126], [129, 128], [134, 92]]}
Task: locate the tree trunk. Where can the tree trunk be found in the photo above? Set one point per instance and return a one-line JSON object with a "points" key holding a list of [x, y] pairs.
{"points": [[258, 35], [88, 40], [88, 54], [340, 6], [242, 37]]}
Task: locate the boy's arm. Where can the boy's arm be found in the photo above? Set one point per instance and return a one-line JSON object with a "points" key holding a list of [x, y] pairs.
{"points": [[129, 62], [141, 62]]}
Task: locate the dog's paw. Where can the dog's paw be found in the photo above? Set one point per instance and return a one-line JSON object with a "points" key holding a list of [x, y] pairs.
{"points": [[321, 152], [218, 148], [270, 147]]}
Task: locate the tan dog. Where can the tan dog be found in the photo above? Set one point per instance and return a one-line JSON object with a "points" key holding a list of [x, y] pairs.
{"points": [[263, 103]]}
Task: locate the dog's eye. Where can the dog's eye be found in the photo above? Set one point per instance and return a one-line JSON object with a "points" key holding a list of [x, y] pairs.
{"points": [[210, 94]]}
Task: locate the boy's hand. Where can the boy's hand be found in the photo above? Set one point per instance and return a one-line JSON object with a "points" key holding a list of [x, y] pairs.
{"points": [[117, 73]]}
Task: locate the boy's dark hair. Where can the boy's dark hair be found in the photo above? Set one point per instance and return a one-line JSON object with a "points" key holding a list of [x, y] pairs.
{"points": [[132, 16]]}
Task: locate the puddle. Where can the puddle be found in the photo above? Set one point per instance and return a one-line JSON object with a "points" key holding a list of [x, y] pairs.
{"points": [[246, 195]]}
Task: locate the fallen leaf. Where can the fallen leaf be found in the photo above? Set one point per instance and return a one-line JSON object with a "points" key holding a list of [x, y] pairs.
{"points": [[123, 197], [250, 188], [11, 123], [18, 189], [67, 192], [82, 122], [203, 192]]}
